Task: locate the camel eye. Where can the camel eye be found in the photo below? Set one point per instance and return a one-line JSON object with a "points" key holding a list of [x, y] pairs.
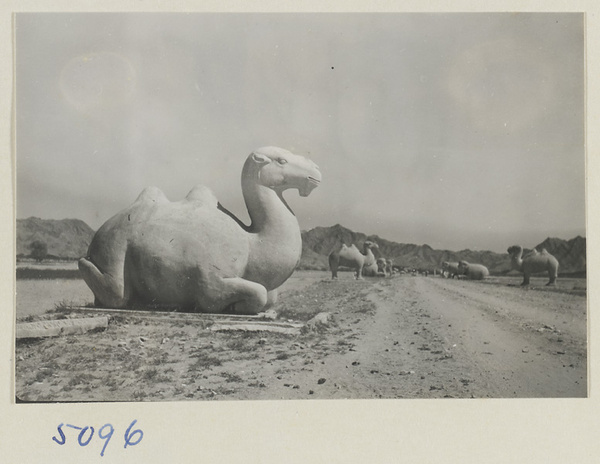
{"points": [[282, 161]]}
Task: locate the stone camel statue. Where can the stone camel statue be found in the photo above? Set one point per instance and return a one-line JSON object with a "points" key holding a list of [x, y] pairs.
{"points": [[473, 271], [532, 263], [196, 255], [380, 263], [389, 267], [350, 256], [451, 268]]}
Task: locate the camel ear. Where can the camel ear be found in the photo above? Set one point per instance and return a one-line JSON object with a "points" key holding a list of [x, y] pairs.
{"points": [[260, 159]]}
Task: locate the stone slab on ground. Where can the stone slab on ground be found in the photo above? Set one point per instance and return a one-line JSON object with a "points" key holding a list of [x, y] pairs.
{"points": [[263, 319], [145, 313], [288, 329], [217, 322], [55, 328]]}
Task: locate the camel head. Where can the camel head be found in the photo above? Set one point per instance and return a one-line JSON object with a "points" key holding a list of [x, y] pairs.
{"points": [[369, 245], [514, 250], [278, 169]]}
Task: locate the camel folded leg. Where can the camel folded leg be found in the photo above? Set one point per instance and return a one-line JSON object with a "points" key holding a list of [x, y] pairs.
{"points": [[241, 295], [108, 291]]}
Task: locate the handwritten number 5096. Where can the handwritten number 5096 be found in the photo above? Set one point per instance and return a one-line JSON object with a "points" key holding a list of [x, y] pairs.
{"points": [[131, 438]]}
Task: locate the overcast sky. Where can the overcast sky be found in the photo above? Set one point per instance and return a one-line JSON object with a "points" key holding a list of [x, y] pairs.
{"points": [[455, 130]]}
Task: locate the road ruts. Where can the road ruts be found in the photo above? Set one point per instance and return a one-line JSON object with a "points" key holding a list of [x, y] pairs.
{"points": [[510, 341]]}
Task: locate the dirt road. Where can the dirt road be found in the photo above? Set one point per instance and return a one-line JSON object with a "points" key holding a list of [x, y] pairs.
{"points": [[402, 337], [466, 339], [431, 337]]}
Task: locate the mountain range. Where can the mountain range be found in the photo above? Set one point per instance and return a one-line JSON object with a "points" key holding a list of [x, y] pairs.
{"points": [[64, 238], [317, 243], [70, 238]]}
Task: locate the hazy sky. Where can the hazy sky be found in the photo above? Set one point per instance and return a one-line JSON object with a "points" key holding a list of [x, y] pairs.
{"points": [[455, 130]]}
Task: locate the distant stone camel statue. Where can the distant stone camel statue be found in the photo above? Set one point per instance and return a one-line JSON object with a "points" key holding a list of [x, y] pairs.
{"points": [[380, 271], [196, 255], [451, 268], [389, 267], [473, 271], [533, 263], [350, 256]]}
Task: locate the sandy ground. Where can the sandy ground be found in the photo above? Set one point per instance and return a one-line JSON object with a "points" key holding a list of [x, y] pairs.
{"points": [[400, 337]]}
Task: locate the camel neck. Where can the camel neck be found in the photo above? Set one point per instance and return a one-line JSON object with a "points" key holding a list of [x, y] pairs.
{"points": [[516, 260], [275, 240], [369, 257], [268, 211]]}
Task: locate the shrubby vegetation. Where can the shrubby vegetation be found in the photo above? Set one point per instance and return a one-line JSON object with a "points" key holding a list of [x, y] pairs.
{"points": [[27, 273], [39, 250]]}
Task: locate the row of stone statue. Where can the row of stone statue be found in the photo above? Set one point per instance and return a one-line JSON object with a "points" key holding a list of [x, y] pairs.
{"points": [[365, 264]]}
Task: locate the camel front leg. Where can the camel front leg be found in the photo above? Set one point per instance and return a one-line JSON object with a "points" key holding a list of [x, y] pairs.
{"points": [[334, 275], [271, 298], [525, 280], [552, 274], [359, 272]]}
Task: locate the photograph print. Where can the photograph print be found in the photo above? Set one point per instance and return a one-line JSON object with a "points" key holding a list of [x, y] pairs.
{"points": [[297, 206]]}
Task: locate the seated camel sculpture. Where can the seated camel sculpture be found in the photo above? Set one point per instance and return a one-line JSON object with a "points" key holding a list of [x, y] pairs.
{"points": [[380, 263], [473, 271], [451, 268], [196, 255], [533, 263], [350, 256]]}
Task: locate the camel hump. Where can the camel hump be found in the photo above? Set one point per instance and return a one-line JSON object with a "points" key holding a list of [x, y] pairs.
{"points": [[202, 194], [344, 248], [151, 194], [531, 254]]}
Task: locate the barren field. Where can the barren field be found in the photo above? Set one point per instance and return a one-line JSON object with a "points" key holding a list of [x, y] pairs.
{"points": [[400, 337]]}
